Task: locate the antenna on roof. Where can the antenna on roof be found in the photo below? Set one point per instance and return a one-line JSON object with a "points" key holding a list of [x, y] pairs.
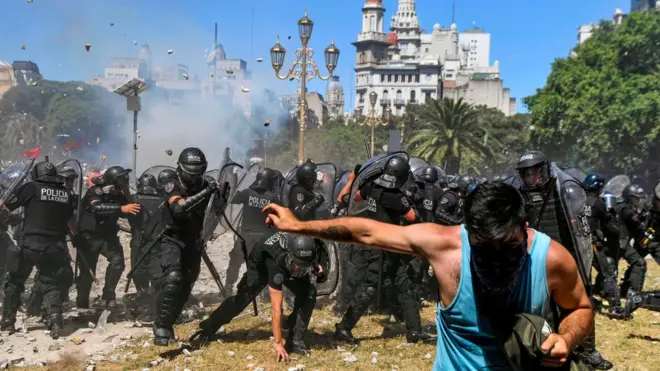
{"points": [[453, 11]]}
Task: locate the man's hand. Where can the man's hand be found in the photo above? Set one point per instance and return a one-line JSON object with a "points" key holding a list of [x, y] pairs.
{"points": [[132, 209], [321, 275], [280, 353], [281, 218], [558, 351]]}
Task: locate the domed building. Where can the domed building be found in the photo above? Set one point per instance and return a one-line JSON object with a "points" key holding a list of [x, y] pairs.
{"points": [[335, 98]]}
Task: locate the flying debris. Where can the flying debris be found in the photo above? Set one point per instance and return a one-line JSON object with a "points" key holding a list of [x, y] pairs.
{"points": [[289, 37], [291, 78], [170, 51], [211, 75], [112, 24], [34, 83], [98, 140], [87, 47], [267, 123], [244, 89], [29, 1], [169, 152], [260, 59], [23, 46], [229, 71], [134, 42], [185, 76], [79, 88], [64, 94]]}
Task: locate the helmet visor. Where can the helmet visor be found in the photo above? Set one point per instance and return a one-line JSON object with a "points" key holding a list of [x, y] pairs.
{"points": [[297, 268]]}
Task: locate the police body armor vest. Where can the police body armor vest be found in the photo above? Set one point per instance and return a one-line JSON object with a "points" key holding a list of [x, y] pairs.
{"points": [[428, 206], [294, 200], [375, 209], [553, 221], [253, 217], [153, 218], [49, 211], [275, 246]]}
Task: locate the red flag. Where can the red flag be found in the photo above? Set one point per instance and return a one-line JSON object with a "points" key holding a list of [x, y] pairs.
{"points": [[32, 153]]}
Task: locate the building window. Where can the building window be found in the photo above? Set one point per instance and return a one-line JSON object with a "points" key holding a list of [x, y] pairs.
{"points": [[385, 94], [399, 94], [412, 96], [417, 78], [389, 78], [363, 58], [427, 96], [361, 97], [396, 78], [382, 78], [409, 78], [426, 50], [372, 23], [449, 75]]}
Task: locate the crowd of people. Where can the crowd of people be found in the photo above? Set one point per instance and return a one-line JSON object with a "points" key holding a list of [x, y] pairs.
{"points": [[497, 255]]}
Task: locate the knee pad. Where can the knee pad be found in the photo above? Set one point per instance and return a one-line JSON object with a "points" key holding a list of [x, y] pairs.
{"points": [[173, 281], [116, 265], [366, 295], [641, 265]]}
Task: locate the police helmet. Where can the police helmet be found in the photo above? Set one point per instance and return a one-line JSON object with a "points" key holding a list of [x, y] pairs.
{"points": [[166, 176], [461, 183], [443, 182], [191, 167], [395, 174], [481, 180], [429, 174], [609, 199], [67, 172], [594, 182], [116, 175], [306, 173], [45, 171], [534, 169], [265, 179], [631, 191], [301, 254], [147, 184]]}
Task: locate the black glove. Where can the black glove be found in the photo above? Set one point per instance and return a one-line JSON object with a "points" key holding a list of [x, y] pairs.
{"points": [[77, 241], [319, 198]]}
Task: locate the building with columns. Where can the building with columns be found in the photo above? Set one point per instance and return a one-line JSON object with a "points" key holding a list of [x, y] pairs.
{"points": [[335, 98], [408, 65]]}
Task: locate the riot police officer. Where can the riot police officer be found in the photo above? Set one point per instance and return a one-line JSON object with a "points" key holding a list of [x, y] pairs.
{"points": [[147, 228], [279, 260], [302, 199], [182, 245], [545, 213], [605, 239], [103, 204], [650, 243], [428, 195], [7, 219], [49, 209], [386, 203], [633, 216], [252, 228], [449, 210], [34, 306]]}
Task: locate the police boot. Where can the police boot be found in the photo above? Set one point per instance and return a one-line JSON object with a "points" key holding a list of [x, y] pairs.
{"points": [[163, 336], [82, 302], [594, 359], [55, 324], [7, 326], [416, 336], [633, 301], [345, 335]]}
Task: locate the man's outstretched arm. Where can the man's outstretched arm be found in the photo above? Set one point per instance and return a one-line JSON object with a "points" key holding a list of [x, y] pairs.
{"points": [[389, 237]]}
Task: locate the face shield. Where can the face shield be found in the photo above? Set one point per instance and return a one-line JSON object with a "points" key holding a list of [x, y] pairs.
{"points": [[298, 268], [535, 176], [190, 180]]}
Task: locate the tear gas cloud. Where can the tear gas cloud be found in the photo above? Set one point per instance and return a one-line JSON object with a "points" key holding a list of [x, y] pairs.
{"points": [[111, 29]]}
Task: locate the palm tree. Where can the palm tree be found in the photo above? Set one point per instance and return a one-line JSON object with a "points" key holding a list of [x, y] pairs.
{"points": [[451, 134]]}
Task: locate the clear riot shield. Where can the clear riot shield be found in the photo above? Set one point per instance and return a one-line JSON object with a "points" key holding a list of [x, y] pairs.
{"points": [[656, 190], [617, 184], [368, 172], [217, 203], [329, 286], [326, 174], [235, 211], [343, 179], [576, 173], [417, 164], [511, 178], [573, 200], [78, 188], [12, 177]]}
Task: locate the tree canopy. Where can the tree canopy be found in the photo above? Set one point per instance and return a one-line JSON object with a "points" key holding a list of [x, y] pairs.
{"points": [[599, 107]]}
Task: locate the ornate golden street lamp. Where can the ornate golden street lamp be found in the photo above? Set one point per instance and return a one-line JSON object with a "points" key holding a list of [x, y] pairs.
{"points": [[303, 69], [373, 120]]}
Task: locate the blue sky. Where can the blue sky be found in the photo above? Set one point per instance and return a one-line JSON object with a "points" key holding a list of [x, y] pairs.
{"points": [[526, 35]]}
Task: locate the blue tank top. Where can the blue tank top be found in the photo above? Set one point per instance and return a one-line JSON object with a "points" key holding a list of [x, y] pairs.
{"points": [[465, 340]]}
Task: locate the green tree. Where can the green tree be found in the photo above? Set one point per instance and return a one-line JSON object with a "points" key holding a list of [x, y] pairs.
{"points": [[599, 107], [450, 133]]}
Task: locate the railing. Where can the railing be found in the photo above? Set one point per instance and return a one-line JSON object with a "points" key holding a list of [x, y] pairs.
{"points": [[399, 102], [385, 101]]}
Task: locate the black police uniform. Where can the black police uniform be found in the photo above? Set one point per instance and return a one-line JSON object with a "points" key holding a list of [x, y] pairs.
{"points": [[49, 207], [98, 235], [180, 257], [427, 199], [633, 222], [605, 237], [304, 202], [449, 210], [253, 227], [7, 219], [267, 267], [386, 205]]}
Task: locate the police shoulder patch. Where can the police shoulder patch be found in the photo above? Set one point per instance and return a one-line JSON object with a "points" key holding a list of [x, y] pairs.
{"points": [[169, 187], [405, 202], [300, 197], [98, 191], [444, 201], [278, 279]]}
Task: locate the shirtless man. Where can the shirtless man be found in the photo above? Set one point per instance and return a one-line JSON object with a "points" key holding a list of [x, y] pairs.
{"points": [[510, 263]]}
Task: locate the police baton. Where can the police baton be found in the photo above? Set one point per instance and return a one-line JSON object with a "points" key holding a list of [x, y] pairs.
{"points": [[147, 249]]}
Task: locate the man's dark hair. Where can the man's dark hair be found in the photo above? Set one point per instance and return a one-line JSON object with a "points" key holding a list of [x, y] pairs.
{"points": [[494, 213]]}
